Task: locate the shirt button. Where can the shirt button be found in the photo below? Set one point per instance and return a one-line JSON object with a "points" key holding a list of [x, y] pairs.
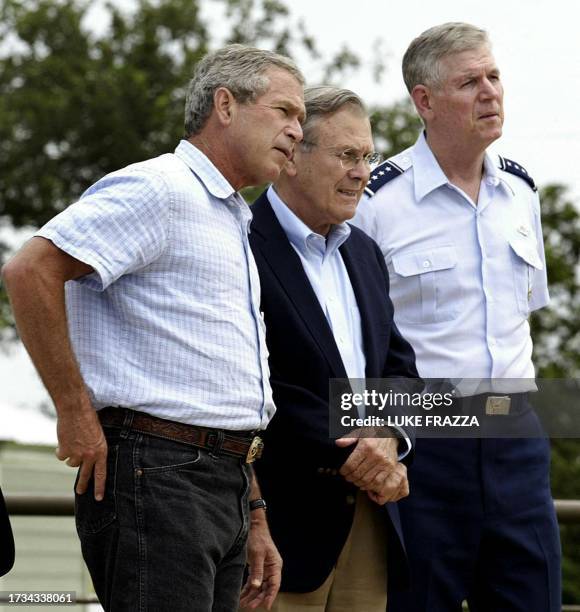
{"points": [[426, 264], [492, 342], [350, 500]]}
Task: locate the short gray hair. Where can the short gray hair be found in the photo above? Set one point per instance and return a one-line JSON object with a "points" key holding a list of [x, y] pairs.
{"points": [[421, 62], [325, 100], [238, 68]]}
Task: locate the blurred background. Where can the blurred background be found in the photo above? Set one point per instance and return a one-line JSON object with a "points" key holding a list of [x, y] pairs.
{"points": [[88, 87]]}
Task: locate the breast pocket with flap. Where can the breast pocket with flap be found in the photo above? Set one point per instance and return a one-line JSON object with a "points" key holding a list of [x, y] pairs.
{"points": [[424, 285], [525, 262]]}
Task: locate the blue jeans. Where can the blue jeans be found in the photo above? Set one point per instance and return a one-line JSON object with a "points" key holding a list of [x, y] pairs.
{"points": [[170, 533]]}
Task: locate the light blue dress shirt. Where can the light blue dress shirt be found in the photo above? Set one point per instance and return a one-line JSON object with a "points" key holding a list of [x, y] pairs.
{"points": [[325, 269], [169, 322], [464, 275]]}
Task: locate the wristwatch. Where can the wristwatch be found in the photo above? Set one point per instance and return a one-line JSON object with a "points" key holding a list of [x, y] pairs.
{"points": [[255, 504]]}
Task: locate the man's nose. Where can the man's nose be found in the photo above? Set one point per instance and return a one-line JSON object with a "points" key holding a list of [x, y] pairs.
{"points": [[490, 89], [294, 130], [361, 170]]}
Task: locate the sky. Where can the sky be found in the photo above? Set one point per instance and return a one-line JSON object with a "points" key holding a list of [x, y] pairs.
{"points": [[535, 43]]}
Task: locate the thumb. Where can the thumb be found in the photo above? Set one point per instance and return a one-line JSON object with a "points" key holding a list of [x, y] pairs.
{"points": [[343, 442]]}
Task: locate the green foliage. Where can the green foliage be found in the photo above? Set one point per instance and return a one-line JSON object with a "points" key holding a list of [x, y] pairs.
{"points": [[6, 322], [556, 333], [75, 105], [556, 330], [395, 127]]}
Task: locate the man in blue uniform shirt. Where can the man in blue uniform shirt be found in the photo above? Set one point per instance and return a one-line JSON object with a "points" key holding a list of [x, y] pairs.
{"points": [[461, 235]]}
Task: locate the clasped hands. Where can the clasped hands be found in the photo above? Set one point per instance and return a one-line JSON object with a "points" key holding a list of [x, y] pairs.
{"points": [[374, 467]]}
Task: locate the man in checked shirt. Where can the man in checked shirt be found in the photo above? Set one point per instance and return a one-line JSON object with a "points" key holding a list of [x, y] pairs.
{"points": [[139, 305]]}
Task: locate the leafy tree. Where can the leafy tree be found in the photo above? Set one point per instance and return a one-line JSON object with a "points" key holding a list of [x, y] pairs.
{"points": [[556, 329], [75, 105], [556, 332]]}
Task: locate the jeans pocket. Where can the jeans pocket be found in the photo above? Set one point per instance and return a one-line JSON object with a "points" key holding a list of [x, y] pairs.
{"points": [[157, 455], [93, 516]]}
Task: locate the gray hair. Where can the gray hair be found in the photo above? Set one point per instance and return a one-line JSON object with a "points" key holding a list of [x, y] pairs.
{"points": [[422, 60], [238, 68], [325, 100]]}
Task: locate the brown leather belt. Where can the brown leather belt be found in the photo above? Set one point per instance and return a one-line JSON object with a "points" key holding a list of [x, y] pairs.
{"points": [[238, 444]]}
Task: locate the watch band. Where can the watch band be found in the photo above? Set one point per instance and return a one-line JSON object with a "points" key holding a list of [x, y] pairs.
{"points": [[255, 504]]}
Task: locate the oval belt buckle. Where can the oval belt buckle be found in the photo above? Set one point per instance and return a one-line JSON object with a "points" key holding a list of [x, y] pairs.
{"points": [[498, 404], [255, 450]]}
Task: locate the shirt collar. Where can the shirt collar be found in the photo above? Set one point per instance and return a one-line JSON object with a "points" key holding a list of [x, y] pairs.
{"points": [[492, 175], [426, 169], [429, 176], [300, 235], [212, 179]]}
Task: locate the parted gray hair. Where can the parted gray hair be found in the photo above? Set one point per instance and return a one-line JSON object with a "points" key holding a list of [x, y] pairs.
{"points": [[325, 100], [421, 62], [238, 68]]}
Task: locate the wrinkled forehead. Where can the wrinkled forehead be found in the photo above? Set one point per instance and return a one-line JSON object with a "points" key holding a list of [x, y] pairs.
{"points": [[349, 127], [468, 60]]}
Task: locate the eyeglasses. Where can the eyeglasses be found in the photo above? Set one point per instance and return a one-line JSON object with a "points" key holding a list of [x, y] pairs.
{"points": [[349, 158]]}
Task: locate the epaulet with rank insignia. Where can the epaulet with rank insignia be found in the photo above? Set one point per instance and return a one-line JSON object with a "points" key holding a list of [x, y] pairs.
{"points": [[381, 175], [508, 165]]}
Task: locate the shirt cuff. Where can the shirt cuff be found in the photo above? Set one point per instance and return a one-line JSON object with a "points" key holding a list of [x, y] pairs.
{"points": [[403, 437]]}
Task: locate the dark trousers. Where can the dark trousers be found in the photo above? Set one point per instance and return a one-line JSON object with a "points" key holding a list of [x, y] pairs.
{"points": [[480, 526], [171, 531]]}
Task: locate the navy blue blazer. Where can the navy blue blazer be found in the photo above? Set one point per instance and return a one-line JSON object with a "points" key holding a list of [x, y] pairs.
{"points": [[310, 506]]}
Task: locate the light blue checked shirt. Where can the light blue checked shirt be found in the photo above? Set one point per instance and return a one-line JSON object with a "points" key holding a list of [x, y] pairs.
{"points": [[169, 322]]}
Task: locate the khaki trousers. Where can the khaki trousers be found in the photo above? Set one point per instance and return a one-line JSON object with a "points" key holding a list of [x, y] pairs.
{"points": [[358, 583]]}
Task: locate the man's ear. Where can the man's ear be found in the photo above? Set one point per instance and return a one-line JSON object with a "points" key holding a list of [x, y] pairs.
{"points": [[421, 96], [224, 104]]}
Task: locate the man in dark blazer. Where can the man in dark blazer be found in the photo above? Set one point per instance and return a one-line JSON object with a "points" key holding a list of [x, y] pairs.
{"points": [[328, 315]]}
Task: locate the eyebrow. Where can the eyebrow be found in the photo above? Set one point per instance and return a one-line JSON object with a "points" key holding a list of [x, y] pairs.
{"points": [[298, 109], [473, 74]]}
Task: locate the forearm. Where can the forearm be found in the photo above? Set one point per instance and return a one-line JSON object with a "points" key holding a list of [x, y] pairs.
{"points": [[257, 516], [264, 561], [35, 280], [36, 293]]}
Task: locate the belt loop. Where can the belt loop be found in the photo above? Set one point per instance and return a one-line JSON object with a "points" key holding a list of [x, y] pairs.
{"points": [[217, 445], [128, 415]]}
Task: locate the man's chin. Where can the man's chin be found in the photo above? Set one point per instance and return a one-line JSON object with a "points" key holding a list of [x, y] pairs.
{"points": [[268, 174]]}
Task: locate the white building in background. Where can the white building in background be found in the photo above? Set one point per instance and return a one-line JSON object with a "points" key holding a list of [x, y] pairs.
{"points": [[48, 555]]}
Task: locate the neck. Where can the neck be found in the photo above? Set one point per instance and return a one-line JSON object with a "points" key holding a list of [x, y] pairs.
{"points": [[219, 156], [299, 206], [462, 165]]}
